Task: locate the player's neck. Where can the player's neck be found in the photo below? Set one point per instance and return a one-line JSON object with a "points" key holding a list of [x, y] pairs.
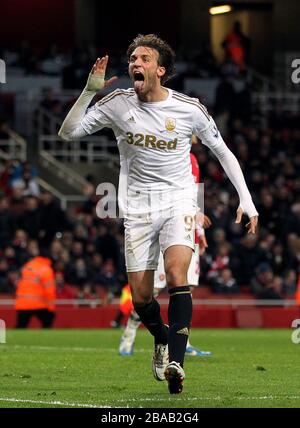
{"points": [[155, 95]]}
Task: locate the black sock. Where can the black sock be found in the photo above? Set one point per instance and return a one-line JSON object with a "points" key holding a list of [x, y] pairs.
{"points": [[150, 317], [180, 316]]}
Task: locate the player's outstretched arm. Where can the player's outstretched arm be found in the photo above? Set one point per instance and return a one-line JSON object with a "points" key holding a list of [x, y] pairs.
{"points": [[211, 137], [71, 128]]}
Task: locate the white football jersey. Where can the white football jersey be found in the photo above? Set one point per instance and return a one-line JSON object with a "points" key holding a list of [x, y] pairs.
{"points": [[154, 141]]}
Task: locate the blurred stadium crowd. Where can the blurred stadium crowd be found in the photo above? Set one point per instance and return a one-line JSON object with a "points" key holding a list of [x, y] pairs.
{"points": [[74, 65], [88, 253]]}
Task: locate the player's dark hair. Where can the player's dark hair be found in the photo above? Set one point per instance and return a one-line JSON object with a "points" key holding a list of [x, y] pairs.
{"points": [[166, 56]]}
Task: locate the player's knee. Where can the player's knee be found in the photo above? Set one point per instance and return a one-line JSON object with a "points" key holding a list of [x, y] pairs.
{"points": [[175, 276], [141, 298]]}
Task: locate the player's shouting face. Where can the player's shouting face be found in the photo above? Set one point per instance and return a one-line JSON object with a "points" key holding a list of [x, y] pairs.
{"points": [[144, 70]]}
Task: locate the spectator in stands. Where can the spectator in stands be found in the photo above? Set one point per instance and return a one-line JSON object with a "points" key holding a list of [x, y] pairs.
{"points": [[237, 46], [80, 233], [248, 256], [30, 219], [80, 275], [56, 250], [108, 278], [67, 240], [10, 256], [52, 218], [268, 213], [32, 248], [225, 283], [88, 222], [19, 245], [218, 238], [272, 290], [220, 261], [12, 280], [278, 259], [265, 285], [17, 205], [77, 251], [27, 184], [289, 285], [96, 266], [107, 245], [218, 214], [90, 250], [19, 168]]}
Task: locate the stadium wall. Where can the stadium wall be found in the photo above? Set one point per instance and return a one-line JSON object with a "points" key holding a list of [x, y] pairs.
{"points": [[212, 317]]}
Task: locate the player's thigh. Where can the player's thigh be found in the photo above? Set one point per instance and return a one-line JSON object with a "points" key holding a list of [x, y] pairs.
{"points": [[177, 260], [141, 285], [177, 243], [141, 246]]}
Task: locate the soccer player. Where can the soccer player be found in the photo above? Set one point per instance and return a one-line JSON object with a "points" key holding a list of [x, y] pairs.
{"points": [[153, 126], [133, 322]]}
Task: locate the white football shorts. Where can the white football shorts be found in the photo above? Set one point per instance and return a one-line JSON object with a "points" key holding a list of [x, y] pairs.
{"points": [[146, 238]]}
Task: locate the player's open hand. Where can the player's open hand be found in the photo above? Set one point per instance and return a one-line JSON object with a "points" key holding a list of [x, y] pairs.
{"points": [[252, 225], [96, 80], [203, 220], [206, 222]]}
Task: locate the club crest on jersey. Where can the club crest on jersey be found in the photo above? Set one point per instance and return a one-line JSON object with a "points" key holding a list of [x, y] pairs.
{"points": [[170, 124]]}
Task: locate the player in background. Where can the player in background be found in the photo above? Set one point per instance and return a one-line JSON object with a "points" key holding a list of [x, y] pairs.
{"points": [[153, 126], [133, 322]]}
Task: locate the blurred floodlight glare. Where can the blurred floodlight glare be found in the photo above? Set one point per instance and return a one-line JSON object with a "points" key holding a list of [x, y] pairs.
{"points": [[220, 9]]}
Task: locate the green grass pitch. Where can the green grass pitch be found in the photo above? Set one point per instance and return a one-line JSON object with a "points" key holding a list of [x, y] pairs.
{"points": [[82, 368]]}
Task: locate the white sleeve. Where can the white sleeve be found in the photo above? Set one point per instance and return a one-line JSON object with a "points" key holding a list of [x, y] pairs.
{"points": [[80, 122], [206, 129]]}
